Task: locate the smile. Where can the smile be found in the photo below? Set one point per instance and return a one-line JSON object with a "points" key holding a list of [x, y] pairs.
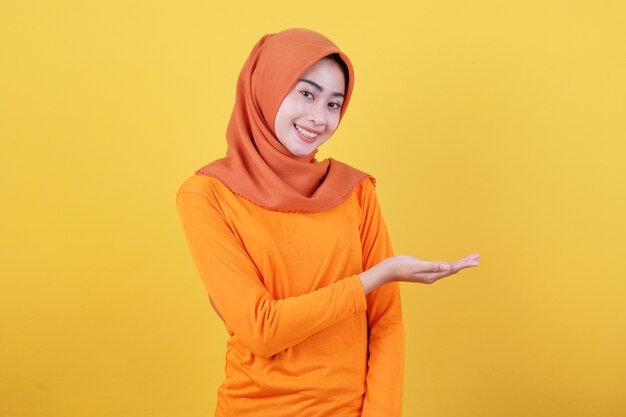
{"points": [[307, 135]]}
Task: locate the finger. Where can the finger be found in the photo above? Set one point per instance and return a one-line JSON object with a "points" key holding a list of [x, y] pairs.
{"points": [[463, 263], [473, 258], [433, 266], [454, 267], [432, 276], [442, 266]]}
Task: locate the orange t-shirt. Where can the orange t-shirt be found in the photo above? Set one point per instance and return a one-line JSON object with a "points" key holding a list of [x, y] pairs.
{"points": [[305, 340]]}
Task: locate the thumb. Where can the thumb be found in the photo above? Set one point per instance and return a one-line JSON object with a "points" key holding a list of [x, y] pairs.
{"points": [[441, 266], [435, 266]]}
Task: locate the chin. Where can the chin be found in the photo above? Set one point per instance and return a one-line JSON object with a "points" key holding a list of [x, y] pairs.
{"points": [[301, 149], [302, 152]]}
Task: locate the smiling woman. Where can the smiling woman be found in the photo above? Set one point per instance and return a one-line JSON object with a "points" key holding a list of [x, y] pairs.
{"points": [[294, 252], [310, 113]]}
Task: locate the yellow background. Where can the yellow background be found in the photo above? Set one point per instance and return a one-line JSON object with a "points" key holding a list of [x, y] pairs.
{"points": [[496, 127]]}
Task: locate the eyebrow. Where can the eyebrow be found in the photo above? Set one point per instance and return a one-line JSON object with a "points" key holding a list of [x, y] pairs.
{"points": [[319, 87]]}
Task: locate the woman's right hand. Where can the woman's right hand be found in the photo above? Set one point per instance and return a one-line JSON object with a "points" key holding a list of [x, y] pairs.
{"points": [[409, 269]]}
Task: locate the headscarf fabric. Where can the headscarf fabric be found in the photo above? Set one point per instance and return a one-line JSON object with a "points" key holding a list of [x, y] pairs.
{"points": [[257, 166]]}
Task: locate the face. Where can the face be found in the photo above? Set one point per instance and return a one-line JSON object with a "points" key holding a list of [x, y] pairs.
{"points": [[310, 113]]}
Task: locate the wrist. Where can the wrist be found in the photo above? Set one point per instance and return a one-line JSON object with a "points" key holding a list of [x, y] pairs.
{"points": [[376, 276], [386, 271]]}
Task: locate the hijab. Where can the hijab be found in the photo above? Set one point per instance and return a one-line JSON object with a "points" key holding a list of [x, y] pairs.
{"points": [[257, 166]]}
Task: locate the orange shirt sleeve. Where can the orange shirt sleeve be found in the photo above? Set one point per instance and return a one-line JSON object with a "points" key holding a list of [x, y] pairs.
{"points": [[265, 325], [384, 385]]}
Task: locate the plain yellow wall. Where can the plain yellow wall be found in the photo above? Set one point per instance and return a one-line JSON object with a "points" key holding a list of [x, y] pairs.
{"points": [[491, 126]]}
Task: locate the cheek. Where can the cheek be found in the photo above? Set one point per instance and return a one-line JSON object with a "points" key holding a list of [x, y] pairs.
{"points": [[333, 121], [281, 119], [286, 113]]}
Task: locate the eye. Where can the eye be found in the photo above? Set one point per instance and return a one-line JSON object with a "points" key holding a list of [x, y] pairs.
{"points": [[306, 94], [334, 105]]}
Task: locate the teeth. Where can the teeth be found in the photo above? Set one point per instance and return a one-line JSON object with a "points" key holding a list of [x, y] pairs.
{"points": [[306, 133]]}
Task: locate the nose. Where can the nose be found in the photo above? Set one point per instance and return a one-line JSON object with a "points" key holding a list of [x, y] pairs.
{"points": [[317, 113]]}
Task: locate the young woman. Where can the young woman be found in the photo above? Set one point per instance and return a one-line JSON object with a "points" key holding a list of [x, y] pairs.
{"points": [[294, 252]]}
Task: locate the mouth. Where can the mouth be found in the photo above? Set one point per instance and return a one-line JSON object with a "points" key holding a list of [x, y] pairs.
{"points": [[307, 135]]}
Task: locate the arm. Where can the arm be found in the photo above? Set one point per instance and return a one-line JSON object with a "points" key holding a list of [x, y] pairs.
{"points": [[384, 385], [266, 326], [381, 276]]}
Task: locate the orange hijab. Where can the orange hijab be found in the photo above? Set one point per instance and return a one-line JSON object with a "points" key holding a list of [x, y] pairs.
{"points": [[257, 166]]}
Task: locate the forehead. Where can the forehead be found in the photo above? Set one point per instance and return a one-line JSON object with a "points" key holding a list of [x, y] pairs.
{"points": [[326, 73]]}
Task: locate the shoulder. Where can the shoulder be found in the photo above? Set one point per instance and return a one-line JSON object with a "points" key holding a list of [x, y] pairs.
{"points": [[201, 184], [365, 191], [203, 192], [364, 183], [366, 196]]}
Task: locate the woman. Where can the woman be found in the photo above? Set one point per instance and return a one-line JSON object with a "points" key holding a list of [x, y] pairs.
{"points": [[294, 252]]}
